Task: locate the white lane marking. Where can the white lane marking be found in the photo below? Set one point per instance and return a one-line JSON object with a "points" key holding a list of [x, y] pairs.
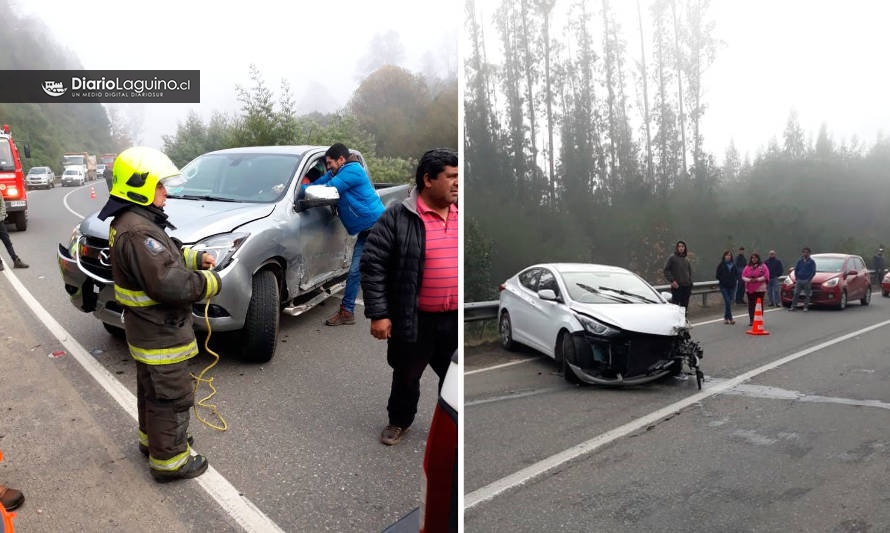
{"points": [[513, 396], [502, 365], [763, 391], [227, 496], [516, 479], [68, 207]]}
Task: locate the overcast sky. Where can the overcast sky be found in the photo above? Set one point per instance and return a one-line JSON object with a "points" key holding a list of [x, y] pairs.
{"points": [[822, 58], [316, 46]]}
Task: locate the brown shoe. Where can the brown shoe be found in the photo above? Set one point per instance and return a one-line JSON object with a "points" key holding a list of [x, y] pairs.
{"points": [[392, 435], [11, 499], [341, 318]]}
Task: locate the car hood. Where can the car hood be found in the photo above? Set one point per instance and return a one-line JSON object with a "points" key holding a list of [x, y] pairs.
{"points": [[194, 220], [820, 277], [651, 319]]}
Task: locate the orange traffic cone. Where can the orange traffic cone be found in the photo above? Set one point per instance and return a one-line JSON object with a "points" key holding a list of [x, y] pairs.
{"points": [[92, 192], [757, 326]]}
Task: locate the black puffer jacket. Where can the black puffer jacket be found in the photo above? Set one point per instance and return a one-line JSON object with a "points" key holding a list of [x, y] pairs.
{"points": [[392, 268]]}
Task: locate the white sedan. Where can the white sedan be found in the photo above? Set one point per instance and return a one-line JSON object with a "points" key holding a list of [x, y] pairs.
{"points": [[604, 324]]}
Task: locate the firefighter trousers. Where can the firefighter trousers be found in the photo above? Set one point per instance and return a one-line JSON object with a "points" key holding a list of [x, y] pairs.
{"points": [[164, 395]]}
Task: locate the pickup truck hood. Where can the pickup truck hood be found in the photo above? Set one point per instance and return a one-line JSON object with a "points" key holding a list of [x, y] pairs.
{"points": [[194, 219]]}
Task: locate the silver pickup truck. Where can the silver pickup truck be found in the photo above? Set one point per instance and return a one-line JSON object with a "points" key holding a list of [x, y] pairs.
{"points": [[275, 251]]}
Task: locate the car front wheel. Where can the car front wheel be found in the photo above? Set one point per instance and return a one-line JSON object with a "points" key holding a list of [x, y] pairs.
{"points": [[842, 304], [505, 328], [867, 298], [565, 352], [260, 331]]}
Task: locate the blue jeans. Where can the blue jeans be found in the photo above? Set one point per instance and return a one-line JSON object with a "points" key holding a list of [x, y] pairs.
{"points": [[353, 281], [772, 291], [728, 293]]}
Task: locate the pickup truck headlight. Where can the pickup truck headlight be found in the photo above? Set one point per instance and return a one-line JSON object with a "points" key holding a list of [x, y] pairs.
{"points": [[72, 242], [223, 247]]}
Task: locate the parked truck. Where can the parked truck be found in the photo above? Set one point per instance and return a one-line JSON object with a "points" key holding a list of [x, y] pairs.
{"points": [[80, 159], [12, 180], [108, 161], [275, 250]]}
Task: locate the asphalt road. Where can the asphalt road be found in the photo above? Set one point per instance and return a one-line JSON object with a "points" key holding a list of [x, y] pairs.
{"points": [[302, 441], [791, 433]]}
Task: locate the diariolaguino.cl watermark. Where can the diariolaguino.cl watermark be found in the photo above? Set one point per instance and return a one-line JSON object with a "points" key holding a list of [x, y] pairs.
{"points": [[33, 86]]}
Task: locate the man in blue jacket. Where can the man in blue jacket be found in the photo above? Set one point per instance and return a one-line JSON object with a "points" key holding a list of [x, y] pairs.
{"points": [[804, 271], [359, 209]]}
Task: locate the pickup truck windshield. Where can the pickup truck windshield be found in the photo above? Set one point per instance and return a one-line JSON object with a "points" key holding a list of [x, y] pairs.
{"points": [[241, 177]]}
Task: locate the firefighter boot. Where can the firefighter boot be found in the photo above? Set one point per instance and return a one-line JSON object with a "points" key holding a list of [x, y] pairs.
{"points": [[194, 467]]}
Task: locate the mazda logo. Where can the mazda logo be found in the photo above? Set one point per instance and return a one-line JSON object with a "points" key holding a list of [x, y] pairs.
{"points": [[105, 258]]}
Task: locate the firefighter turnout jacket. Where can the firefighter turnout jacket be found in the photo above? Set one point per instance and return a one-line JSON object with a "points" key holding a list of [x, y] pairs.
{"points": [[156, 283]]}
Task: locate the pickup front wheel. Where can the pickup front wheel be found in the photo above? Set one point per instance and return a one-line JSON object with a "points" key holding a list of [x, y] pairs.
{"points": [[260, 332]]}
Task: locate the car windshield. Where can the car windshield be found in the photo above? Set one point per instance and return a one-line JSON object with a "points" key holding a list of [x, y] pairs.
{"points": [[6, 161], [608, 288], [237, 177], [829, 264], [39, 170], [71, 171]]}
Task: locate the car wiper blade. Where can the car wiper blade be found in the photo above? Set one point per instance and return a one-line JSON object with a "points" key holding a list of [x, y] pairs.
{"points": [[201, 197], [593, 290], [631, 294]]}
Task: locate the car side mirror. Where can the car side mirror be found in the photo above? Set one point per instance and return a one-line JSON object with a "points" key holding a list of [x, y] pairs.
{"points": [[666, 296], [316, 195], [852, 272], [547, 294]]}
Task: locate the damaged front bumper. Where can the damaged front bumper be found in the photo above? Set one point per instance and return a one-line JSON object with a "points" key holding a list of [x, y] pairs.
{"points": [[628, 359]]}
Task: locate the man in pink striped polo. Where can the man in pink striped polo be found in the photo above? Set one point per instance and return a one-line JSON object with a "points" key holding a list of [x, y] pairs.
{"points": [[409, 282]]}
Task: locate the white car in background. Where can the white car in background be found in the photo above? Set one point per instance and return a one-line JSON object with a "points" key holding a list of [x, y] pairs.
{"points": [[603, 324], [73, 176]]}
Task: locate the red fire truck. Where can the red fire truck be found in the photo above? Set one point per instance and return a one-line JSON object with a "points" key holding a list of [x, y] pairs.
{"points": [[12, 180]]}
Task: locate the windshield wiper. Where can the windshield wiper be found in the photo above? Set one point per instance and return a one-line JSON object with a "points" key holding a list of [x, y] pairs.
{"points": [[593, 290], [201, 197], [632, 294]]}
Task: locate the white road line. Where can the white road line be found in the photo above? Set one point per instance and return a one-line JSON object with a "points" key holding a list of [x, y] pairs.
{"points": [[516, 479], [227, 496], [503, 365], [515, 395], [776, 393]]}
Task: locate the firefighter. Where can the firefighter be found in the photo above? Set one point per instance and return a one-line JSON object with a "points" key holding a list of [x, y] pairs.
{"points": [[157, 283]]}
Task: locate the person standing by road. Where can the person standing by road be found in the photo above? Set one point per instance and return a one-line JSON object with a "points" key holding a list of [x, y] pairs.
{"points": [[678, 272], [776, 269], [756, 277], [727, 277], [804, 271], [359, 209], [740, 263], [410, 284], [878, 265], [157, 283], [4, 236]]}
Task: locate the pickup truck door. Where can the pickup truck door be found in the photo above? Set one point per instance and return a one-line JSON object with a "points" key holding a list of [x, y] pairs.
{"points": [[325, 248]]}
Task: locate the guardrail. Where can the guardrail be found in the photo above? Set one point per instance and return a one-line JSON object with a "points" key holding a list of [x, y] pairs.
{"points": [[476, 311]]}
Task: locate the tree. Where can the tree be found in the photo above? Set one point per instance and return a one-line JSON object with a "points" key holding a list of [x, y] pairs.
{"points": [[391, 104], [794, 146]]}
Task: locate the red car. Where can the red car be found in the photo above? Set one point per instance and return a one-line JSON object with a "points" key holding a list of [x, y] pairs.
{"points": [[839, 279], [885, 285]]}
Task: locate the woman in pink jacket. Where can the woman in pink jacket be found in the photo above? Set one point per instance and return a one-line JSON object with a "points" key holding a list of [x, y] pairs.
{"points": [[756, 276]]}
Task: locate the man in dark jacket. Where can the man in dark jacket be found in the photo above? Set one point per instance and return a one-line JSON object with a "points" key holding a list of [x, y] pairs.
{"points": [[4, 236], [678, 272], [804, 272], [157, 283], [409, 282], [740, 263], [776, 269]]}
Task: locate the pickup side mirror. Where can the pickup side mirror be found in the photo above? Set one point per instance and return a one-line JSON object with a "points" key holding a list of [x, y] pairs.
{"points": [[666, 296], [317, 195]]}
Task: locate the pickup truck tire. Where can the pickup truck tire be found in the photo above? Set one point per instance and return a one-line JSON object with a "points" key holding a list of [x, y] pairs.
{"points": [[260, 333], [116, 332]]}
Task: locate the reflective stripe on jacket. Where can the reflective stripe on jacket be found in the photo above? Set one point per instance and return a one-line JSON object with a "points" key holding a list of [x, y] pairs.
{"points": [[154, 283]]}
